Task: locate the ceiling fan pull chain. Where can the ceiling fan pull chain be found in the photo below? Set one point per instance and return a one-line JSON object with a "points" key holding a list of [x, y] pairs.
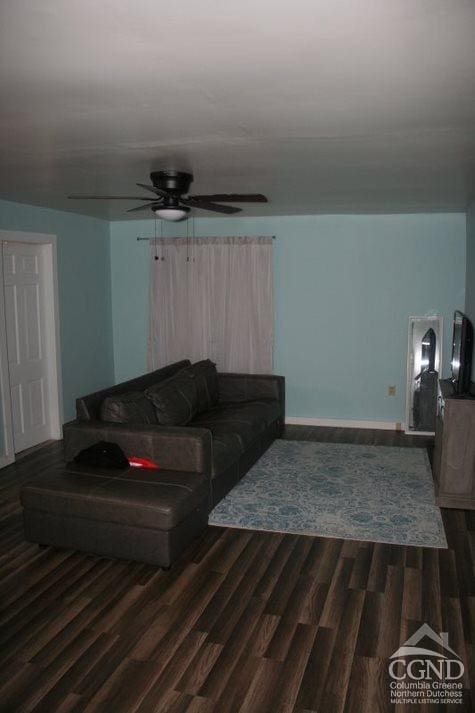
{"points": [[155, 239], [187, 242]]}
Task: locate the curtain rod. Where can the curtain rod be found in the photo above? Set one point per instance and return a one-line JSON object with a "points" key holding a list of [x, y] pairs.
{"points": [[196, 236]]}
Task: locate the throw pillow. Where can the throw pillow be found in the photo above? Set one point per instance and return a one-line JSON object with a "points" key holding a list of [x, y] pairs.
{"points": [[132, 407], [207, 386], [175, 399]]}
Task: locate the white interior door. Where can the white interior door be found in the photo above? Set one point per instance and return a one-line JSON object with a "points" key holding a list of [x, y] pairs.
{"points": [[24, 274]]}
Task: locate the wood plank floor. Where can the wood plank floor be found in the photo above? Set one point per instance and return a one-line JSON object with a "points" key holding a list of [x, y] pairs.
{"points": [[245, 621]]}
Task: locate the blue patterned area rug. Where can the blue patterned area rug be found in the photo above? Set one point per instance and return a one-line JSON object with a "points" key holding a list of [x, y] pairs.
{"points": [[376, 493]]}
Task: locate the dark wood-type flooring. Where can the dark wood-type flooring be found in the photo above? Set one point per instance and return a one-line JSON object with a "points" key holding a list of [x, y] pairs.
{"points": [[246, 621]]}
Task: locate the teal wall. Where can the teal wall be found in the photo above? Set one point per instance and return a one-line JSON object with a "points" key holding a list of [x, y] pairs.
{"points": [[344, 287], [470, 273], [84, 294]]}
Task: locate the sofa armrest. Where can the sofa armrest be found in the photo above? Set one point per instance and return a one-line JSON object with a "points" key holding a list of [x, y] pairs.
{"points": [[173, 447], [244, 387]]}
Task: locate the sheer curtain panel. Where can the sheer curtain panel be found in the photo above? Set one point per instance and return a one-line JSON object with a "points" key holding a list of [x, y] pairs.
{"points": [[212, 298]]}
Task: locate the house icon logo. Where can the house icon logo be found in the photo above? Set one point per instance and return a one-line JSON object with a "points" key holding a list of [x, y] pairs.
{"points": [[425, 668], [411, 647]]}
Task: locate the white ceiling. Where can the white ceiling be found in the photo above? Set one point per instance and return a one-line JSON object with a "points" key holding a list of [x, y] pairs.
{"points": [[324, 106]]}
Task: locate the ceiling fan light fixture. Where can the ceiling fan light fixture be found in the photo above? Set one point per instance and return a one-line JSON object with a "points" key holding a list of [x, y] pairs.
{"points": [[172, 214]]}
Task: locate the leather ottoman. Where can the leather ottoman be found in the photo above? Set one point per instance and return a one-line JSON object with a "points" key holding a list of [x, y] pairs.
{"points": [[149, 516]]}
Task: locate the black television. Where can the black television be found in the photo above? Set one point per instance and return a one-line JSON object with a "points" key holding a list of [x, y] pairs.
{"points": [[462, 345]]}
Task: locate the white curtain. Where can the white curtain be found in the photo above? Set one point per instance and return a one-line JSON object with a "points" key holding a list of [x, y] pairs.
{"points": [[212, 298]]}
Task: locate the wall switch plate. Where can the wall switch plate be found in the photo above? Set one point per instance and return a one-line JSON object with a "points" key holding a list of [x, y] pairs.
{"points": [[391, 391]]}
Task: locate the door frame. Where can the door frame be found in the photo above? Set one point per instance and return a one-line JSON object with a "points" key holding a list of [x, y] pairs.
{"points": [[49, 245]]}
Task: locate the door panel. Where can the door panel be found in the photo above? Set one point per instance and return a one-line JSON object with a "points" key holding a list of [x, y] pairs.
{"points": [[37, 402], [24, 279], [11, 317], [17, 409], [32, 322]]}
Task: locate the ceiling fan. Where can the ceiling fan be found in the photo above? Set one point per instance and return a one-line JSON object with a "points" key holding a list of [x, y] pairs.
{"points": [[169, 202]]}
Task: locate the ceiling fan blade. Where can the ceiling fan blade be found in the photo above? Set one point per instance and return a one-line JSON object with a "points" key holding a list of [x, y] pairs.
{"points": [[205, 205], [157, 191], [147, 206], [232, 198], [115, 198]]}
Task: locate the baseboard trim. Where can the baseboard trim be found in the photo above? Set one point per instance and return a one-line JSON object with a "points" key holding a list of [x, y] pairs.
{"points": [[6, 460], [342, 423]]}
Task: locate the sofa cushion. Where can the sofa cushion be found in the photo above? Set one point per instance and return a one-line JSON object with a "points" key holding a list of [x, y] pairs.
{"points": [[150, 499], [228, 440], [207, 386], [234, 427], [89, 407], [266, 409], [240, 430], [133, 407], [176, 399], [247, 418]]}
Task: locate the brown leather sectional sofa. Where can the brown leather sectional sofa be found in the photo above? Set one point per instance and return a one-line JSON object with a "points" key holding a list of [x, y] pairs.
{"points": [[228, 421]]}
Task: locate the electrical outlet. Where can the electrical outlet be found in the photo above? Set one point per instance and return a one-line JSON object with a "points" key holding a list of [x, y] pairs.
{"points": [[391, 391]]}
